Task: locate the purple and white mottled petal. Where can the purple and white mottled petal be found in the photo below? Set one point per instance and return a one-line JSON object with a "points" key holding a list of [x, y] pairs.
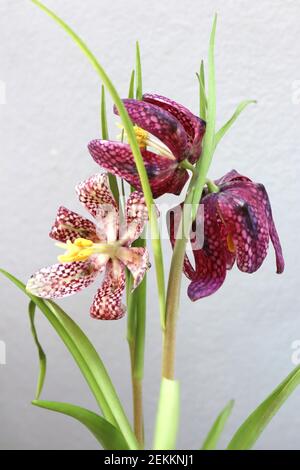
{"points": [[210, 261], [107, 303], [136, 216], [69, 225], [117, 158], [159, 123], [62, 280], [232, 175], [272, 231], [136, 259], [194, 126], [94, 193], [246, 223], [173, 220]]}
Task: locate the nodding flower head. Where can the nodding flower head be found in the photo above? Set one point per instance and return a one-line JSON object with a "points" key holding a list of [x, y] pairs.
{"points": [[168, 134], [238, 225], [93, 247]]}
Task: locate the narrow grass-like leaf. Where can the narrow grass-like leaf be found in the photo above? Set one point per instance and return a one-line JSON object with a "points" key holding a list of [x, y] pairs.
{"points": [[204, 162], [131, 85], [214, 434], [202, 93], [106, 434], [240, 108], [41, 353], [128, 127], [167, 419], [113, 184], [248, 433], [138, 68], [87, 359]]}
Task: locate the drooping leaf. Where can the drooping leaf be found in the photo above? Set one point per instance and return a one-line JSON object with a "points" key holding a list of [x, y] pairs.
{"points": [[240, 108], [106, 434], [248, 433], [41, 353], [214, 434], [167, 419], [88, 361]]}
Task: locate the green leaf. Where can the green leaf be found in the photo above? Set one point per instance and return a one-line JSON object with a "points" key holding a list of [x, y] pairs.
{"points": [[240, 108], [41, 353], [204, 162], [87, 360], [106, 434], [167, 419], [104, 131], [251, 429], [202, 93], [131, 85], [139, 162], [138, 68], [214, 434]]}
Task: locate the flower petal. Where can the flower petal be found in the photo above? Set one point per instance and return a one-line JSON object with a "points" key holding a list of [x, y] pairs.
{"points": [[194, 126], [173, 220], [117, 158], [272, 231], [211, 260], [95, 192], [246, 223], [136, 215], [96, 196], [159, 123], [62, 280], [69, 225], [136, 259], [107, 304]]}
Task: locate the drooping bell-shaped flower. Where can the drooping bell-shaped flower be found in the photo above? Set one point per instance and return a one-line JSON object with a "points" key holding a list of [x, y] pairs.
{"points": [[92, 247], [238, 225], [168, 134]]}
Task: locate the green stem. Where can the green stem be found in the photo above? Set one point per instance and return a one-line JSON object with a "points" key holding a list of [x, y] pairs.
{"points": [[191, 205]]}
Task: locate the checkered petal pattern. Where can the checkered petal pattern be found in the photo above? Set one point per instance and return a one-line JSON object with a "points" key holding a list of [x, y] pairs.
{"points": [[136, 259], [107, 303], [62, 280], [69, 225]]}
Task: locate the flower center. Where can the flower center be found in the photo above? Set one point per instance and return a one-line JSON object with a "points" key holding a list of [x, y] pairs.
{"points": [[145, 139], [81, 249]]}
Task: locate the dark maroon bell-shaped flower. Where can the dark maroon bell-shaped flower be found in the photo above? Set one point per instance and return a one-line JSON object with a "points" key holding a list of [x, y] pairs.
{"points": [[238, 224], [167, 134]]}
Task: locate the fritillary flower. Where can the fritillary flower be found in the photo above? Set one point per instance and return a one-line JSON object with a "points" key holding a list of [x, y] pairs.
{"points": [[168, 134], [93, 247], [238, 225]]}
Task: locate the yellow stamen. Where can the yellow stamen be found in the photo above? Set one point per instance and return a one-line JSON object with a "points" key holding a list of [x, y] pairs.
{"points": [[81, 249], [230, 243], [141, 136]]}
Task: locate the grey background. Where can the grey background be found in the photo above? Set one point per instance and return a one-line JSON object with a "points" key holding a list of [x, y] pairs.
{"points": [[236, 344]]}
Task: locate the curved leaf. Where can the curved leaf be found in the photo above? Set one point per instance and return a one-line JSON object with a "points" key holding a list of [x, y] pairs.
{"points": [[106, 434], [240, 108], [214, 434], [87, 360], [251, 429], [41, 353]]}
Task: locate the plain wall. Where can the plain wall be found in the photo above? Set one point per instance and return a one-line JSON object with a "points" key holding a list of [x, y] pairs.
{"points": [[235, 344]]}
